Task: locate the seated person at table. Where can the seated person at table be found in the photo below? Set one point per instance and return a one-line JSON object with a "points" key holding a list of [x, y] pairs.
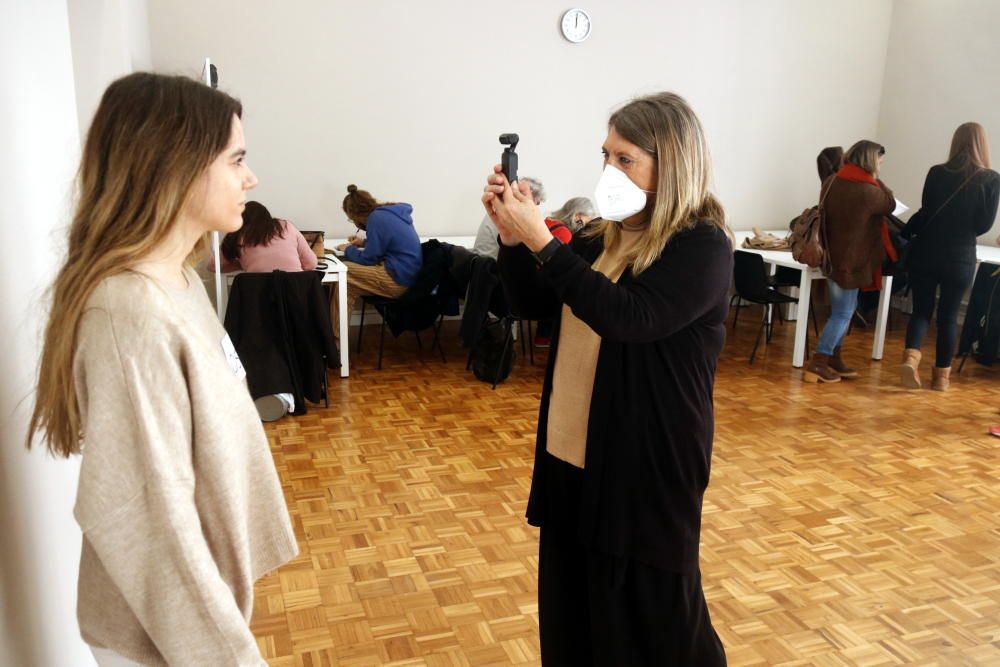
{"points": [[576, 213], [486, 238], [386, 262], [264, 244]]}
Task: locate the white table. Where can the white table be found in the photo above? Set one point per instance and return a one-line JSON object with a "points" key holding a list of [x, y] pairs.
{"points": [[988, 253], [784, 258], [336, 272]]}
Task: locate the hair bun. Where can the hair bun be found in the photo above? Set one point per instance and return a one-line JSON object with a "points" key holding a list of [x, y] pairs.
{"points": [[352, 188]]}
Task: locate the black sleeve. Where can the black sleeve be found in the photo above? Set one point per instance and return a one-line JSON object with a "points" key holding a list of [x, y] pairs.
{"points": [[925, 196], [917, 221], [991, 196], [686, 282], [523, 284], [519, 275]]}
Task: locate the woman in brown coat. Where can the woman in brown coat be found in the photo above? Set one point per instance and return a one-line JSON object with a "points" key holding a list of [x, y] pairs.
{"points": [[855, 204]]}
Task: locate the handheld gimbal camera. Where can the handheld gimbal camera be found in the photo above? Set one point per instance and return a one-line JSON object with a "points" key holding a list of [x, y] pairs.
{"points": [[509, 158]]}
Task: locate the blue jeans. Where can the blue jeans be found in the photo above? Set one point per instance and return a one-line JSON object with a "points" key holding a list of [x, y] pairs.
{"points": [[842, 305]]}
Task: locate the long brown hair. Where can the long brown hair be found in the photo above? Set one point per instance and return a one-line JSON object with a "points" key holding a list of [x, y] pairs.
{"points": [[969, 148], [829, 161], [151, 139], [259, 228], [665, 127]]}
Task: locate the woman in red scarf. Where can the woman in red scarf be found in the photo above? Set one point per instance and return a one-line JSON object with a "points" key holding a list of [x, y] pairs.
{"points": [[855, 204]]}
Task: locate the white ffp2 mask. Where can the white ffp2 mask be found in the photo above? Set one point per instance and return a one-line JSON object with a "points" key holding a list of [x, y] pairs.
{"points": [[617, 197]]}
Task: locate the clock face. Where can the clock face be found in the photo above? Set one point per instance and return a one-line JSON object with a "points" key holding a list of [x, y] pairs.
{"points": [[576, 25]]}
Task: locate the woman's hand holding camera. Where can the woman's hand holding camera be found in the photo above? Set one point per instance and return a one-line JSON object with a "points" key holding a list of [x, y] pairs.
{"points": [[513, 210]]}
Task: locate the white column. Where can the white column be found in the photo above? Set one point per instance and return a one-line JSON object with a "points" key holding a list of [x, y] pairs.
{"points": [[39, 151]]}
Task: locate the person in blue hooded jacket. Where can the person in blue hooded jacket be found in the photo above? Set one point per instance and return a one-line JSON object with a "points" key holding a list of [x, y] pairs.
{"points": [[386, 262]]}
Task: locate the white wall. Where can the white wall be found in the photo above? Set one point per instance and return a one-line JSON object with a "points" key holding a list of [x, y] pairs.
{"points": [[942, 70], [407, 98], [38, 133], [110, 38]]}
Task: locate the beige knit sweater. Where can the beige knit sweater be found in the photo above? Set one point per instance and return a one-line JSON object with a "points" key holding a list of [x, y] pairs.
{"points": [[179, 500]]}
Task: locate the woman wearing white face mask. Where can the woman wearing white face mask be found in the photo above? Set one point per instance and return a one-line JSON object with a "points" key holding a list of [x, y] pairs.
{"points": [[624, 439]]}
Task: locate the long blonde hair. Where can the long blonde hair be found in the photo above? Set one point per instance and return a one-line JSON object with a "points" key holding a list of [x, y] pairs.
{"points": [[865, 154], [969, 148], [665, 127], [151, 139]]}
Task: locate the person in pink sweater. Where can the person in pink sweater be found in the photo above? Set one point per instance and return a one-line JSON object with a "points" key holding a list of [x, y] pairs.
{"points": [[264, 244]]}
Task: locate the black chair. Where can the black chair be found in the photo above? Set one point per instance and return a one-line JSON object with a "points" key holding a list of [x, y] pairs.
{"points": [[396, 309], [422, 306], [530, 338], [279, 324], [785, 276], [751, 283], [978, 338]]}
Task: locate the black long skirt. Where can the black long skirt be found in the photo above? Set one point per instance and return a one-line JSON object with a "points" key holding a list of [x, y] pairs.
{"points": [[596, 609]]}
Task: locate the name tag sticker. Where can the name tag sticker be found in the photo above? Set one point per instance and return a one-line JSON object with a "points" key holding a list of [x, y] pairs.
{"points": [[234, 359]]}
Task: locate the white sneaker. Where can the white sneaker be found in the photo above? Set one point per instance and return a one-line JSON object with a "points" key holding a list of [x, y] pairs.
{"points": [[271, 408]]}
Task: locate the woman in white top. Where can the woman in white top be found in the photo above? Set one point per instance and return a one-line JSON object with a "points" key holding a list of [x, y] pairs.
{"points": [[179, 501]]}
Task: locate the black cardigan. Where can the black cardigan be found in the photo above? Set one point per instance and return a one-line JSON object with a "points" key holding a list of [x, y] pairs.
{"points": [[279, 323], [649, 436], [951, 235]]}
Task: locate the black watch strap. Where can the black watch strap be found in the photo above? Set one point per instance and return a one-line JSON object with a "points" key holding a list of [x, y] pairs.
{"points": [[547, 251]]}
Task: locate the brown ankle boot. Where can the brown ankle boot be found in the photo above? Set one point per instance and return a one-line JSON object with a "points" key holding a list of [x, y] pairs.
{"points": [[819, 370], [940, 378], [908, 374], [838, 365]]}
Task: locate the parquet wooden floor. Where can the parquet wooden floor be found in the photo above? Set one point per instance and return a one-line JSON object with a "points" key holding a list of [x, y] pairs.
{"points": [[847, 524]]}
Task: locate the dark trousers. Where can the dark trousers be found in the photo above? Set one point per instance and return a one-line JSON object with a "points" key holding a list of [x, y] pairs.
{"points": [[953, 280], [596, 609]]}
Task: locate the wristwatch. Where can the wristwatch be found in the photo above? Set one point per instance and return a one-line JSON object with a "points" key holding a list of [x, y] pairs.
{"points": [[547, 251]]}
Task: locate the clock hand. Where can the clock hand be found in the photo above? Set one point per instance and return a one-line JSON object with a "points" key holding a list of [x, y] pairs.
{"points": [[577, 24]]}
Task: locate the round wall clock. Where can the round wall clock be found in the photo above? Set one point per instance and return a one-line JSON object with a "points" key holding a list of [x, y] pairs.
{"points": [[576, 25]]}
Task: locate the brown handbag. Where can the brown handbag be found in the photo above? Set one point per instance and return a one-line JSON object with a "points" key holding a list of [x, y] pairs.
{"points": [[316, 241], [808, 237]]}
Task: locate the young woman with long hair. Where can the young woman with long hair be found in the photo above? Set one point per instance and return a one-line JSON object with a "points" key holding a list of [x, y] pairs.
{"points": [[959, 203], [179, 501], [264, 244], [625, 428]]}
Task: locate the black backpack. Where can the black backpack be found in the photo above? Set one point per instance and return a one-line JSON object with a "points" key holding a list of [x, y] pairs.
{"points": [[986, 341], [981, 330], [493, 353]]}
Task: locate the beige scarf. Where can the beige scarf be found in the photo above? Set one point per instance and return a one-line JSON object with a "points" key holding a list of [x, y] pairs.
{"points": [[576, 364]]}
